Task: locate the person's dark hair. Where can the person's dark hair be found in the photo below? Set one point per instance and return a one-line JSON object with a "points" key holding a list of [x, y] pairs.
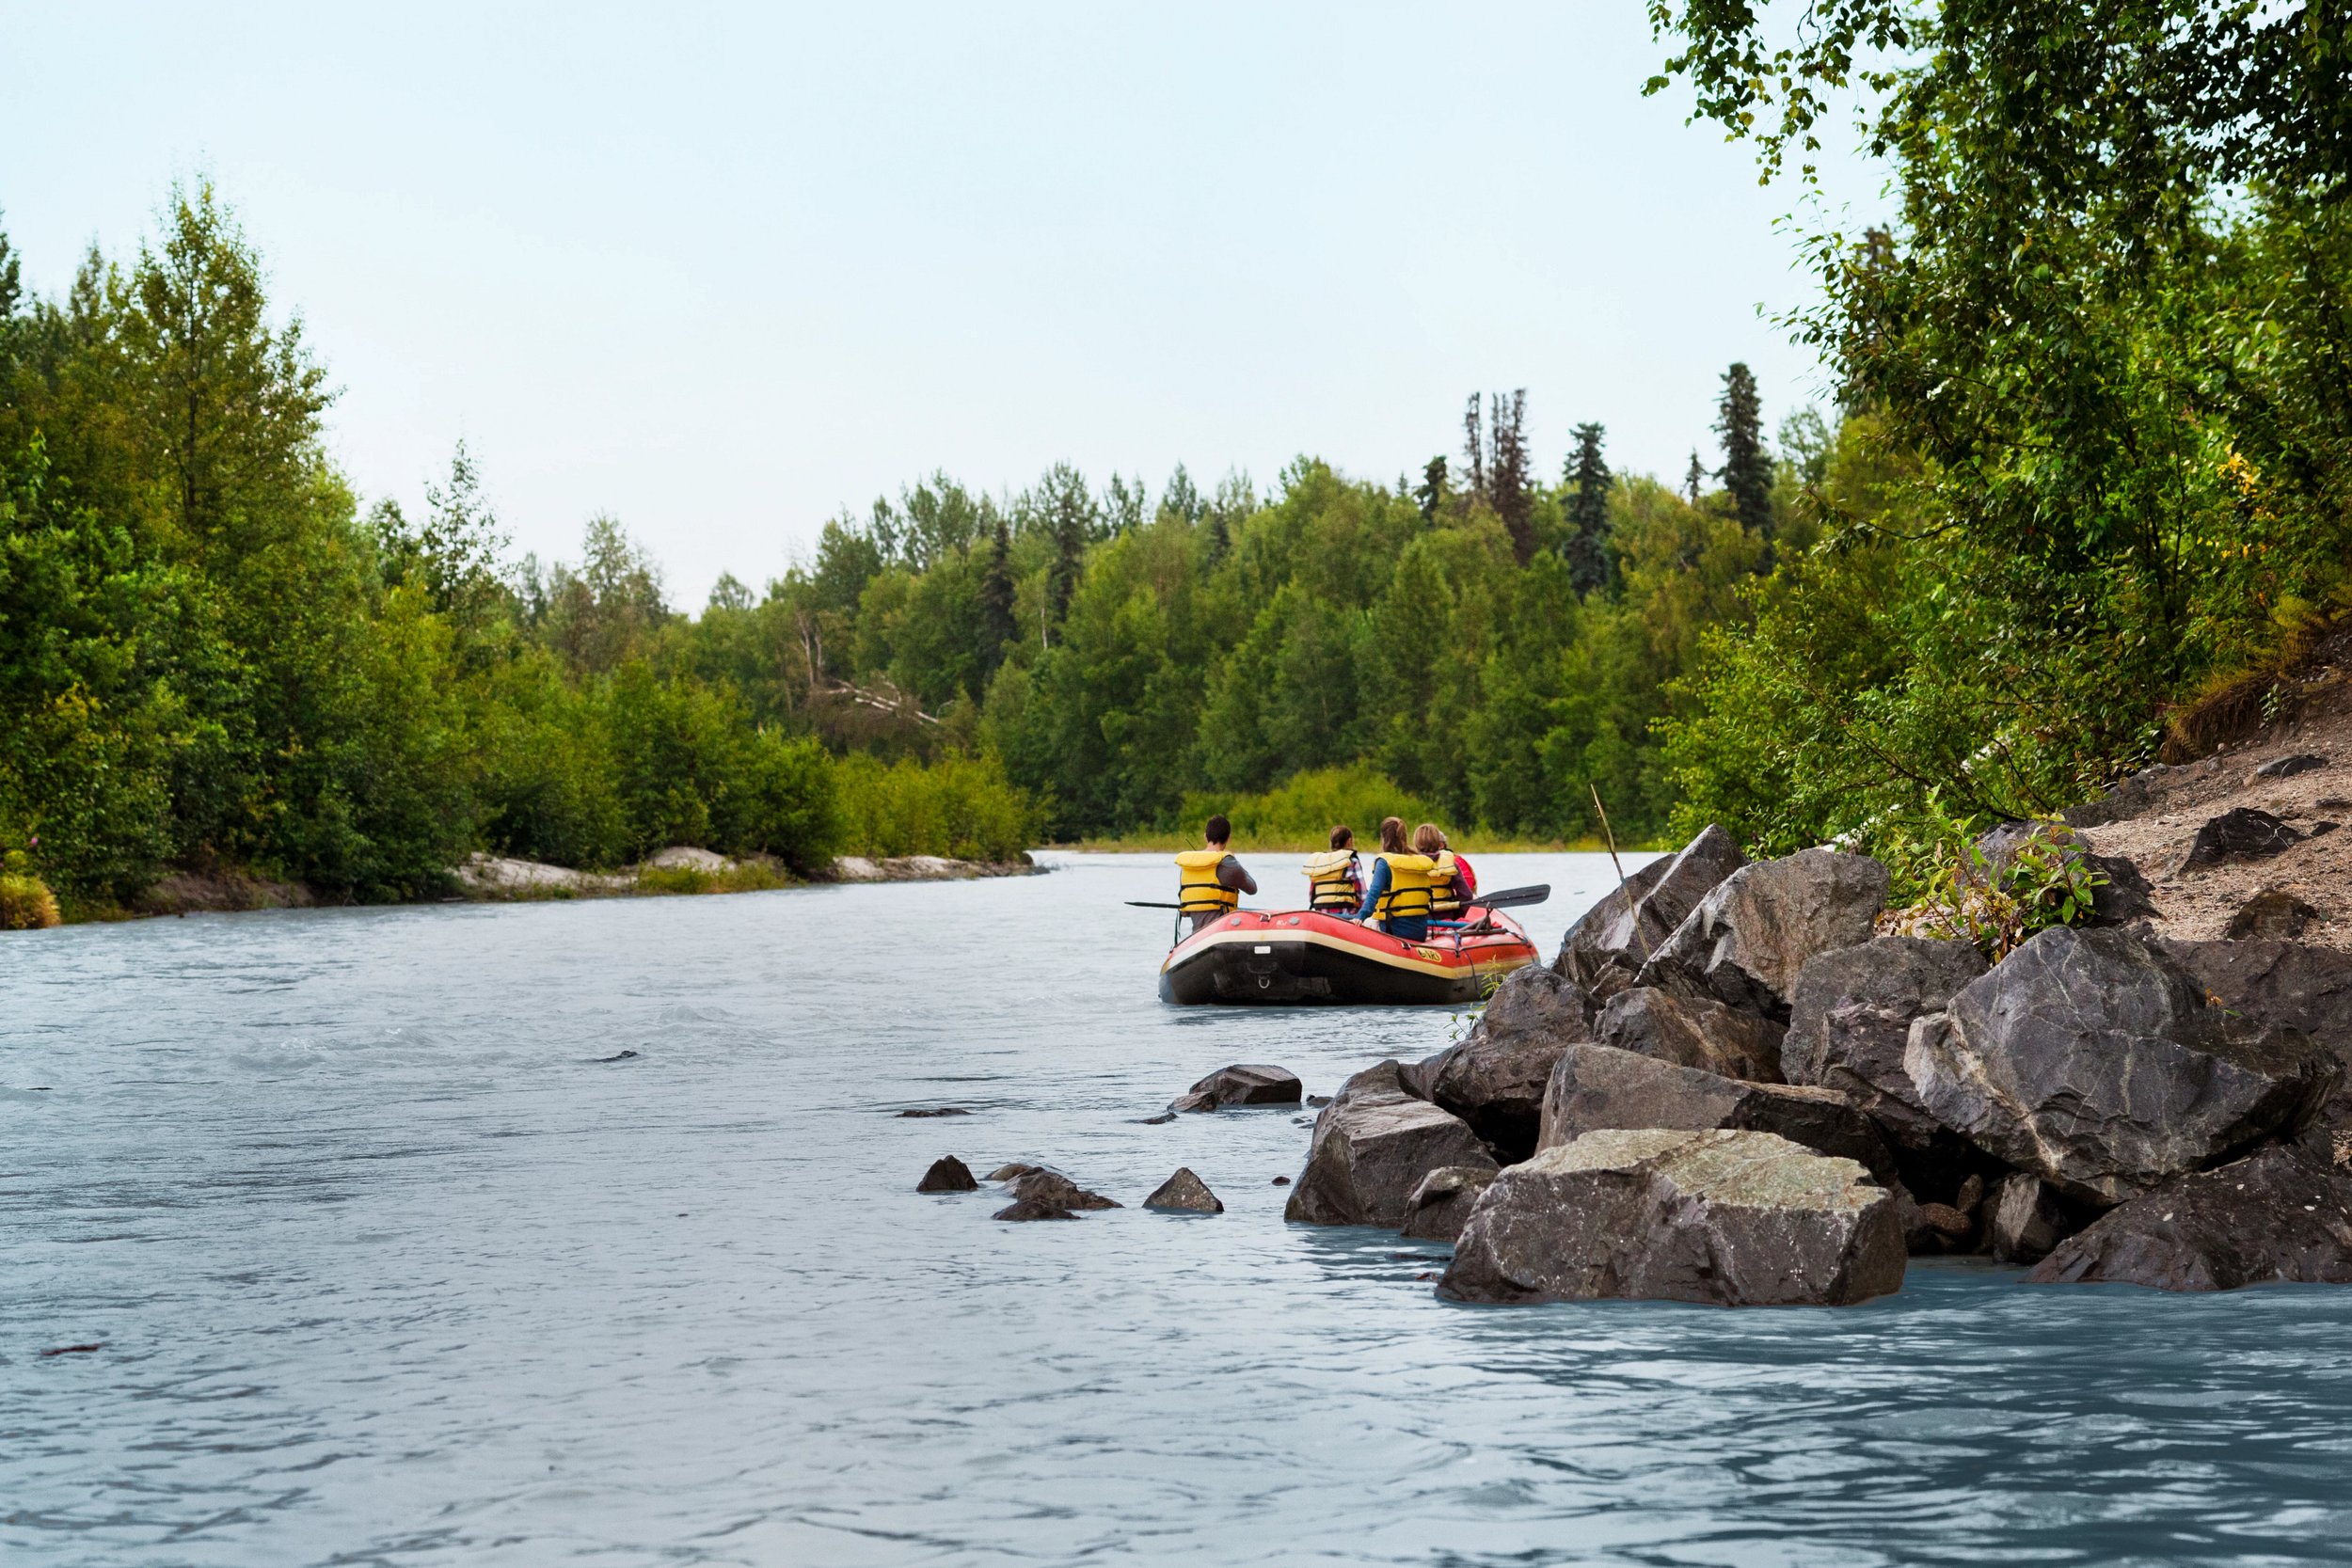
{"points": [[1342, 836], [1218, 831], [1393, 836]]}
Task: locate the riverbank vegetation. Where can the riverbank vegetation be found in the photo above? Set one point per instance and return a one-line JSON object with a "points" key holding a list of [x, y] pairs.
{"points": [[2090, 457]]}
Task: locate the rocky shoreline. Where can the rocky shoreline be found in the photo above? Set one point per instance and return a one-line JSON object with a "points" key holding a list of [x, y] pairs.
{"points": [[1734, 1086]]}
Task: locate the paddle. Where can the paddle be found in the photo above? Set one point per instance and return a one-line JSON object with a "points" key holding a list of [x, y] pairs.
{"points": [[1146, 903], [1511, 898]]}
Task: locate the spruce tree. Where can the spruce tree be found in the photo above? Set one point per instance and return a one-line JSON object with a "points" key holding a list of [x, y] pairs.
{"points": [[1693, 479], [997, 597], [1508, 490], [1747, 471], [1433, 490], [1592, 567]]}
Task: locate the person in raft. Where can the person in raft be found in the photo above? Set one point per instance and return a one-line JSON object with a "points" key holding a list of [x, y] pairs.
{"points": [[1398, 894], [1453, 883], [1335, 884], [1209, 880]]}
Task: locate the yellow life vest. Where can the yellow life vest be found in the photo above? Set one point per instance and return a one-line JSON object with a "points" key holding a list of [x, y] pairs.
{"points": [[1332, 881], [1197, 890], [1445, 893], [1408, 897]]}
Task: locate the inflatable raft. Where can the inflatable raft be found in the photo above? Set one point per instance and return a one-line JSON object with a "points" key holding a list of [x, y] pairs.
{"points": [[1272, 958]]}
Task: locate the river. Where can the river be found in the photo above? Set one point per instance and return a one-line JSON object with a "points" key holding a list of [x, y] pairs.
{"points": [[388, 1265]]}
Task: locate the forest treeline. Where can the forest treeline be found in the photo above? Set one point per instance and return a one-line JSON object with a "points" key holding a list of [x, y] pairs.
{"points": [[2091, 456]]}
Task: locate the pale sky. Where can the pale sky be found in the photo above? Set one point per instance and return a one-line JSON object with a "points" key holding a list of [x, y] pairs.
{"points": [[723, 271]]}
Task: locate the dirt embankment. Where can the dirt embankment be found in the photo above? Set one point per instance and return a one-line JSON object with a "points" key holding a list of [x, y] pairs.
{"points": [[2267, 813]]}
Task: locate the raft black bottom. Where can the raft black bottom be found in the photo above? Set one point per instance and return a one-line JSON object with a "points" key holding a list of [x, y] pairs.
{"points": [[1279, 974]]}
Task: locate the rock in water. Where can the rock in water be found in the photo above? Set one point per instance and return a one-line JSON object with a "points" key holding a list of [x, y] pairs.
{"points": [[1597, 1087], [1495, 1078], [2027, 1221], [1535, 1004], [1033, 1209], [1006, 1173], [1443, 1203], [2091, 1060], [2274, 1216], [1749, 937], [1372, 1145], [942, 1110], [947, 1174], [1053, 1190], [1186, 1192], [1241, 1085], [1851, 1019], [1696, 1032], [1663, 894], [1735, 1219], [2240, 835]]}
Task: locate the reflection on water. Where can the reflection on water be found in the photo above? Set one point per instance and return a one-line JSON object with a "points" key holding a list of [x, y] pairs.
{"points": [[388, 1266]]}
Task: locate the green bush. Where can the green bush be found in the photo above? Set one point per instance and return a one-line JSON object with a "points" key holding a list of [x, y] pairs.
{"points": [[962, 807], [1300, 812]]}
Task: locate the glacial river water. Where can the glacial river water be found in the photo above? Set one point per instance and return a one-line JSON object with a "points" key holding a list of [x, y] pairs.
{"points": [[386, 1266]]}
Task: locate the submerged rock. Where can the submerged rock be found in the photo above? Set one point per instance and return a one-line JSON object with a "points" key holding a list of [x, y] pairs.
{"points": [[1637, 916], [1734, 1219], [1850, 1018], [1033, 1209], [942, 1110], [1598, 1086], [1747, 939], [2274, 1216], [2091, 1060], [947, 1174], [1691, 1031], [1441, 1205], [1372, 1145], [1243, 1084], [1055, 1190], [1006, 1173], [1186, 1192]]}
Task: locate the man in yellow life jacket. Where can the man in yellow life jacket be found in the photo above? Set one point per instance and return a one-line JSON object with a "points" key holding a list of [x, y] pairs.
{"points": [[1398, 897], [1335, 884], [1209, 880]]}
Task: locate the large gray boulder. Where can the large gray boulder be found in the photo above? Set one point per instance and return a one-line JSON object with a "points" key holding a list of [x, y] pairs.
{"points": [[2275, 1216], [1735, 1219], [2288, 985], [1598, 1086], [1850, 1018], [1494, 1080], [1372, 1144], [1747, 939], [1689, 1031], [1637, 916], [2090, 1059]]}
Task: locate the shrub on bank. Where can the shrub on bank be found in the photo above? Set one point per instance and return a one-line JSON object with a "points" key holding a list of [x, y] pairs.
{"points": [[1300, 812], [962, 807], [25, 901]]}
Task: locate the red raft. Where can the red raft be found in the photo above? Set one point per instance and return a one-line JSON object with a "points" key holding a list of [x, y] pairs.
{"points": [[1297, 958]]}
